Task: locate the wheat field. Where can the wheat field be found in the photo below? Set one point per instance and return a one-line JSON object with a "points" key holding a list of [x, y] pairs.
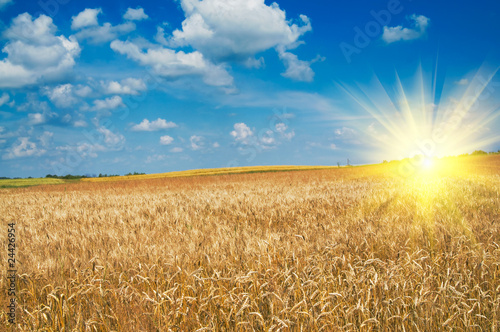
{"points": [[347, 249]]}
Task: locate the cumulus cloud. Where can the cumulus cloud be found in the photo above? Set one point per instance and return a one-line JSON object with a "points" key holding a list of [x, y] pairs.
{"points": [[171, 64], [83, 91], [80, 124], [241, 133], [156, 157], [45, 138], [4, 99], [23, 147], [128, 86], [196, 142], [108, 141], [240, 29], [89, 28], [112, 140], [35, 53], [419, 24], [282, 129], [33, 103], [297, 70], [108, 103], [61, 95], [104, 33], [176, 150], [158, 124], [268, 137], [41, 117], [84, 149], [86, 18], [135, 14], [265, 139], [166, 140]]}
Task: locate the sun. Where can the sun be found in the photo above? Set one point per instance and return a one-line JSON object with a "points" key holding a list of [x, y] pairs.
{"points": [[415, 116], [428, 163]]}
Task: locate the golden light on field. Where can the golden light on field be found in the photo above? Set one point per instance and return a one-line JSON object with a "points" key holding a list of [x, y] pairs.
{"points": [[424, 118], [428, 163], [349, 248]]}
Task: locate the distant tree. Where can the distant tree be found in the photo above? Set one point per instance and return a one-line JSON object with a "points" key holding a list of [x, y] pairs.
{"points": [[478, 153], [385, 162], [338, 164]]}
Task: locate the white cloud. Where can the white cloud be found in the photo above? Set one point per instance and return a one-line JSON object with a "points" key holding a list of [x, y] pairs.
{"points": [[80, 124], [35, 53], [345, 132], [89, 28], [169, 63], [84, 149], [176, 150], [5, 3], [104, 33], [282, 128], [83, 91], [45, 138], [128, 86], [196, 142], [297, 70], [252, 62], [4, 99], [40, 118], [241, 133], [333, 146], [62, 95], [419, 24], [23, 148], [135, 14], [289, 135], [463, 81], [158, 124], [224, 29], [156, 157], [166, 140], [111, 139], [86, 18], [268, 138], [216, 145], [108, 103]]}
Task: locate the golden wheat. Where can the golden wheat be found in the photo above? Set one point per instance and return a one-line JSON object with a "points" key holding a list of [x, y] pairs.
{"points": [[323, 250]]}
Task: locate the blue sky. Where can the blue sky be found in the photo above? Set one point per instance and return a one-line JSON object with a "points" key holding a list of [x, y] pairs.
{"points": [[155, 86]]}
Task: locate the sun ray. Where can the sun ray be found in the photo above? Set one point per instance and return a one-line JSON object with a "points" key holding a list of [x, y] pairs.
{"points": [[416, 119]]}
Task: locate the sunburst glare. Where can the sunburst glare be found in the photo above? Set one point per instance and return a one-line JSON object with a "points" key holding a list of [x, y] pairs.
{"points": [[420, 117]]}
